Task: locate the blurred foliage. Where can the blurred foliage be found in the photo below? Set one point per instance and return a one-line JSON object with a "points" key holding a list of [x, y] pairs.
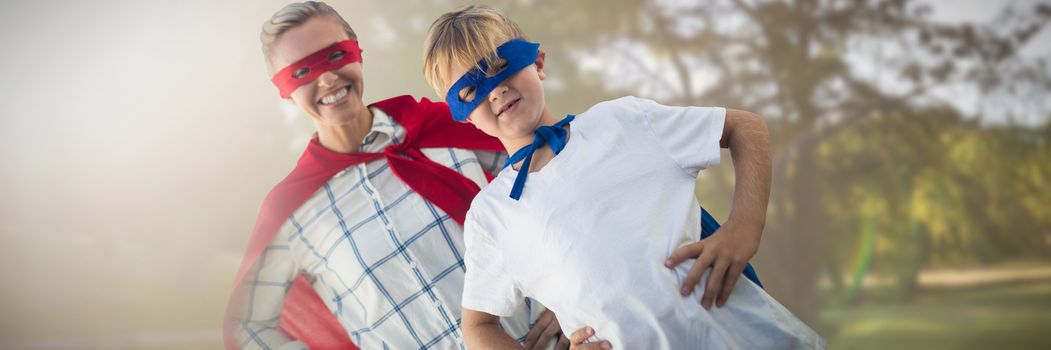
{"points": [[941, 191]]}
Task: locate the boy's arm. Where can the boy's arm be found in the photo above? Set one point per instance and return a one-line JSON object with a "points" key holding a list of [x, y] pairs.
{"points": [[728, 252], [482, 331]]}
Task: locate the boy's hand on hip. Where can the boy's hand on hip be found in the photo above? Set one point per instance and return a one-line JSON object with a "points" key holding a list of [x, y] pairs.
{"points": [[544, 331], [727, 252]]}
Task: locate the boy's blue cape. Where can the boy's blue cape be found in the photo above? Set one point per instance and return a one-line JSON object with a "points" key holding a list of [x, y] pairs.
{"points": [[708, 227]]}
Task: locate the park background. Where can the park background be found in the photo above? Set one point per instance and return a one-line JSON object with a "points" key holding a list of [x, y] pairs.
{"points": [[910, 142]]}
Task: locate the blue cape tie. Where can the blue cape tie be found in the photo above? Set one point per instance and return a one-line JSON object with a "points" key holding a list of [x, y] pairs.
{"points": [[553, 135]]}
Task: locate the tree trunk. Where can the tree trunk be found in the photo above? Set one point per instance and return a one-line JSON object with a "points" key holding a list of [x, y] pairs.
{"points": [[805, 235]]}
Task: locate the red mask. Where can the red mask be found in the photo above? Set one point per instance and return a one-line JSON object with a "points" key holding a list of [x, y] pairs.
{"points": [[309, 68]]}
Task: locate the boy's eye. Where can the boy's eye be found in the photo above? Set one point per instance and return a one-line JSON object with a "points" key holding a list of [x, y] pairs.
{"points": [[302, 72], [498, 66], [336, 56], [467, 94]]}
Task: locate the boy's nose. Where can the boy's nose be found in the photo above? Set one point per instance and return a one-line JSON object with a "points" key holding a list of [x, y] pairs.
{"points": [[497, 93]]}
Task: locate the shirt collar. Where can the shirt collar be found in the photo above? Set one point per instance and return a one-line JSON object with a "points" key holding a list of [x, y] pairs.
{"points": [[384, 132]]}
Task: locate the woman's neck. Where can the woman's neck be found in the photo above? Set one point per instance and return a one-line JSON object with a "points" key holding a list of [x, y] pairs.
{"points": [[346, 138]]}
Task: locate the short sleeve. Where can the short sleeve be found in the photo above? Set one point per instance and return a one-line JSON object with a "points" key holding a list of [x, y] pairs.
{"points": [[690, 135], [488, 286]]}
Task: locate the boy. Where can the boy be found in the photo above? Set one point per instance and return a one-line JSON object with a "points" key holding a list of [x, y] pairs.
{"points": [[605, 197]]}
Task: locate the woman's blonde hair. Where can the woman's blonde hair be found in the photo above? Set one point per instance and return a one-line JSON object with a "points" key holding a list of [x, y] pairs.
{"points": [[462, 38], [294, 15]]}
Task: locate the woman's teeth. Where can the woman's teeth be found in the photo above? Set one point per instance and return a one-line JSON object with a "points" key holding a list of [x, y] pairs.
{"points": [[330, 99]]}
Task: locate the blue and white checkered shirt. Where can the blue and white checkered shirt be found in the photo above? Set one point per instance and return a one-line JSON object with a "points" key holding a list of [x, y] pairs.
{"points": [[388, 263]]}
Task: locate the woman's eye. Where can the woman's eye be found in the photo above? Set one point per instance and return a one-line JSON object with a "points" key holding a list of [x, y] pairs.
{"points": [[336, 56], [302, 72], [467, 94]]}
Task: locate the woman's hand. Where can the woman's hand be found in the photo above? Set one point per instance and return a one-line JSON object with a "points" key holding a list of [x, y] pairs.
{"points": [[578, 341]]}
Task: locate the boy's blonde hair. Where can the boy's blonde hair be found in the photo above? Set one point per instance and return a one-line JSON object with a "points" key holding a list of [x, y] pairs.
{"points": [[294, 15], [462, 38]]}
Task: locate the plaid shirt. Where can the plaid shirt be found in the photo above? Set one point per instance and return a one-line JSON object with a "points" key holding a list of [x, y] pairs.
{"points": [[386, 262]]}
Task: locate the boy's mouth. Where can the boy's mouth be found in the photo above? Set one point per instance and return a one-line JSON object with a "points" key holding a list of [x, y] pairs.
{"points": [[507, 106]]}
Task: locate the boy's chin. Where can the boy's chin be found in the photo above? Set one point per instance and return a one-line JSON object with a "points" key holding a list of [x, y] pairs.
{"points": [[521, 126], [520, 133]]}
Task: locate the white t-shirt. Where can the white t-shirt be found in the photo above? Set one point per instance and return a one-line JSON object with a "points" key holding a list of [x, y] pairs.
{"points": [[590, 233]]}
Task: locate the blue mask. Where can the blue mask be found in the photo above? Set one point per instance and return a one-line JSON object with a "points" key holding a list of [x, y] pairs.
{"points": [[517, 53]]}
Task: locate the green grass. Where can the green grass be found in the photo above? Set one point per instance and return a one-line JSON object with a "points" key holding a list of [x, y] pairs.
{"points": [[1013, 315]]}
